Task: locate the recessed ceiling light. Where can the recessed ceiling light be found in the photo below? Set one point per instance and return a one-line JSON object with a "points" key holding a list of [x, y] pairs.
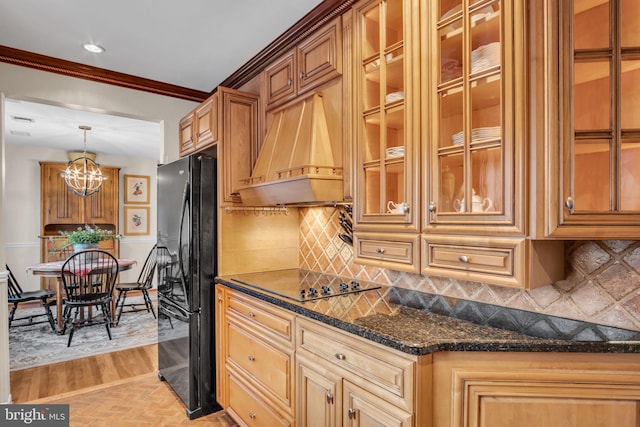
{"points": [[93, 48]]}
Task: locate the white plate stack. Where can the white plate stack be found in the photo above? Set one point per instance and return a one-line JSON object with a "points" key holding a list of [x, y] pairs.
{"points": [[395, 152], [477, 134], [485, 56], [492, 132], [394, 96]]}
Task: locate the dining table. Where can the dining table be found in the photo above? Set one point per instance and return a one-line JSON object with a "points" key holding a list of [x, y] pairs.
{"points": [[54, 269]]}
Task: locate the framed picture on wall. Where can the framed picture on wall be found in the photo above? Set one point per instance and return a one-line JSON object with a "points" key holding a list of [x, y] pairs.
{"points": [[136, 220], [136, 189]]}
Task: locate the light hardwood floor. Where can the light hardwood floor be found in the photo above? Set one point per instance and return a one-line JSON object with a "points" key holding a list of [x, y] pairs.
{"points": [[113, 389]]}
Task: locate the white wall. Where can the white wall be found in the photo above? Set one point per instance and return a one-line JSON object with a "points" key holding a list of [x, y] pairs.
{"points": [[21, 82], [23, 209]]}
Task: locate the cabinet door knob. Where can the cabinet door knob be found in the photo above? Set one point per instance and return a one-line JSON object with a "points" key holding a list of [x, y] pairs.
{"points": [[301, 75], [380, 250], [340, 356], [329, 398], [432, 207], [250, 314], [251, 358], [463, 258], [352, 413], [569, 204], [289, 82], [252, 415]]}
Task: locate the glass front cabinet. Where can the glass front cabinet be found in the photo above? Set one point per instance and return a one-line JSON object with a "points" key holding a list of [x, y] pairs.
{"points": [[475, 147], [386, 128], [594, 186]]}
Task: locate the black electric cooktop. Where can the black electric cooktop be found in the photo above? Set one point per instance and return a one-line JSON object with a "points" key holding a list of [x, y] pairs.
{"points": [[301, 285]]}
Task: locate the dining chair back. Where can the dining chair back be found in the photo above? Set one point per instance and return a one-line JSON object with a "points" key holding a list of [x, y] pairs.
{"points": [[88, 278], [17, 296], [143, 284]]}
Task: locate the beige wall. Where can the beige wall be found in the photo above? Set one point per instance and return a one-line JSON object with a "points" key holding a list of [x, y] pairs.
{"points": [[21, 82]]}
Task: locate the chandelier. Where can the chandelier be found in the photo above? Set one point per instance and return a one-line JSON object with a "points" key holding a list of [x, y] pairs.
{"points": [[83, 175]]}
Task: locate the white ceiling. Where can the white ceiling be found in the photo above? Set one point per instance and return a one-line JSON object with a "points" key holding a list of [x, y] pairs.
{"points": [[195, 44]]}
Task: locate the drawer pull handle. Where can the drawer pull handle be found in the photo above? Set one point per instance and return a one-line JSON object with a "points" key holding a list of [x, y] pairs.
{"points": [[329, 398], [252, 415], [251, 358], [380, 250], [463, 258], [250, 314], [341, 356]]}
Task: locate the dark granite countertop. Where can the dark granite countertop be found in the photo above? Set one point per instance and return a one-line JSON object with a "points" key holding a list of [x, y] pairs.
{"points": [[414, 323]]}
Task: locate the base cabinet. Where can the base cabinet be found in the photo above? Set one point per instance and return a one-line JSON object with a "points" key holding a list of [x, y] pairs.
{"points": [[343, 380], [254, 360], [533, 390]]}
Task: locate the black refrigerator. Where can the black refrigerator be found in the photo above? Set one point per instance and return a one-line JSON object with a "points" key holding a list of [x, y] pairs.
{"points": [[186, 269]]}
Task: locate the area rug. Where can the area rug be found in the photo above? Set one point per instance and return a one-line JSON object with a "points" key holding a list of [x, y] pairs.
{"points": [[37, 345]]}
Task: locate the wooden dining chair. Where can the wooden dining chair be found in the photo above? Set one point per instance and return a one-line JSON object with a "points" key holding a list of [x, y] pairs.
{"points": [[88, 279], [17, 296], [143, 284]]}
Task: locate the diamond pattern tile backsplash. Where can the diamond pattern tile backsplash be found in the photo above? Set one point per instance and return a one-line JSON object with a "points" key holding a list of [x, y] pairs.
{"points": [[602, 283]]}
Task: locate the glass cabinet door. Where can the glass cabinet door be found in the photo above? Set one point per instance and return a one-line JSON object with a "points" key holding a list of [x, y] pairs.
{"points": [[473, 135], [384, 188], [601, 141]]}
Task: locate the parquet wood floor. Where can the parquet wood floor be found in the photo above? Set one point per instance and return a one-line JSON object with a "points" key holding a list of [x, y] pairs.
{"points": [[135, 402], [117, 389]]}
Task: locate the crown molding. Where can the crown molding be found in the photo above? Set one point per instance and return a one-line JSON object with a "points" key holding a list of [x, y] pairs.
{"points": [[321, 14], [87, 72]]}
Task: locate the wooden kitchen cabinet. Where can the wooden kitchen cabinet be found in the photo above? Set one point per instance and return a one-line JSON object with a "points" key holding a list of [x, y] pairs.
{"points": [[62, 207], [475, 217], [594, 147], [225, 124], [256, 360], [386, 126], [345, 380], [532, 390], [313, 62], [199, 129]]}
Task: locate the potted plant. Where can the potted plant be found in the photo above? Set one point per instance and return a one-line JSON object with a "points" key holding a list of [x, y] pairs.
{"points": [[86, 237]]}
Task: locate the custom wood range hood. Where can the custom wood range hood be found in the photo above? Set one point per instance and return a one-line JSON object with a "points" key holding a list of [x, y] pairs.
{"points": [[298, 163]]}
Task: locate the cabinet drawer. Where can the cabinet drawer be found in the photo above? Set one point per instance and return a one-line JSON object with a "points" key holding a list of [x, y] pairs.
{"points": [[389, 371], [471, 258], [264, 363], [267, 316], [397, 251], [247, 409]]}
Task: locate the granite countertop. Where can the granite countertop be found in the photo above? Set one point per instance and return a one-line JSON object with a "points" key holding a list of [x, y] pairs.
{"points": [[382, 316]]}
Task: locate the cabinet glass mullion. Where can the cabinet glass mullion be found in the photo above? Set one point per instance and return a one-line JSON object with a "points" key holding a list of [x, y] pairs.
{"points": [[382, 103], [470, 150], [605, 99]]}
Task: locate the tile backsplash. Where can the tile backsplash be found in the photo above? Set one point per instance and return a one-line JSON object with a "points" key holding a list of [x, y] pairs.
{"points": [[602, 283]]}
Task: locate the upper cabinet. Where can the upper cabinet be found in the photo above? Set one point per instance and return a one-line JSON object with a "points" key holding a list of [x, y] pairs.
{"points": [[314, 61], [238, 146], [476, 139], [226, 124], [199, 129], [594, 148], [386, 128], [62, 207], [476, 143]]}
